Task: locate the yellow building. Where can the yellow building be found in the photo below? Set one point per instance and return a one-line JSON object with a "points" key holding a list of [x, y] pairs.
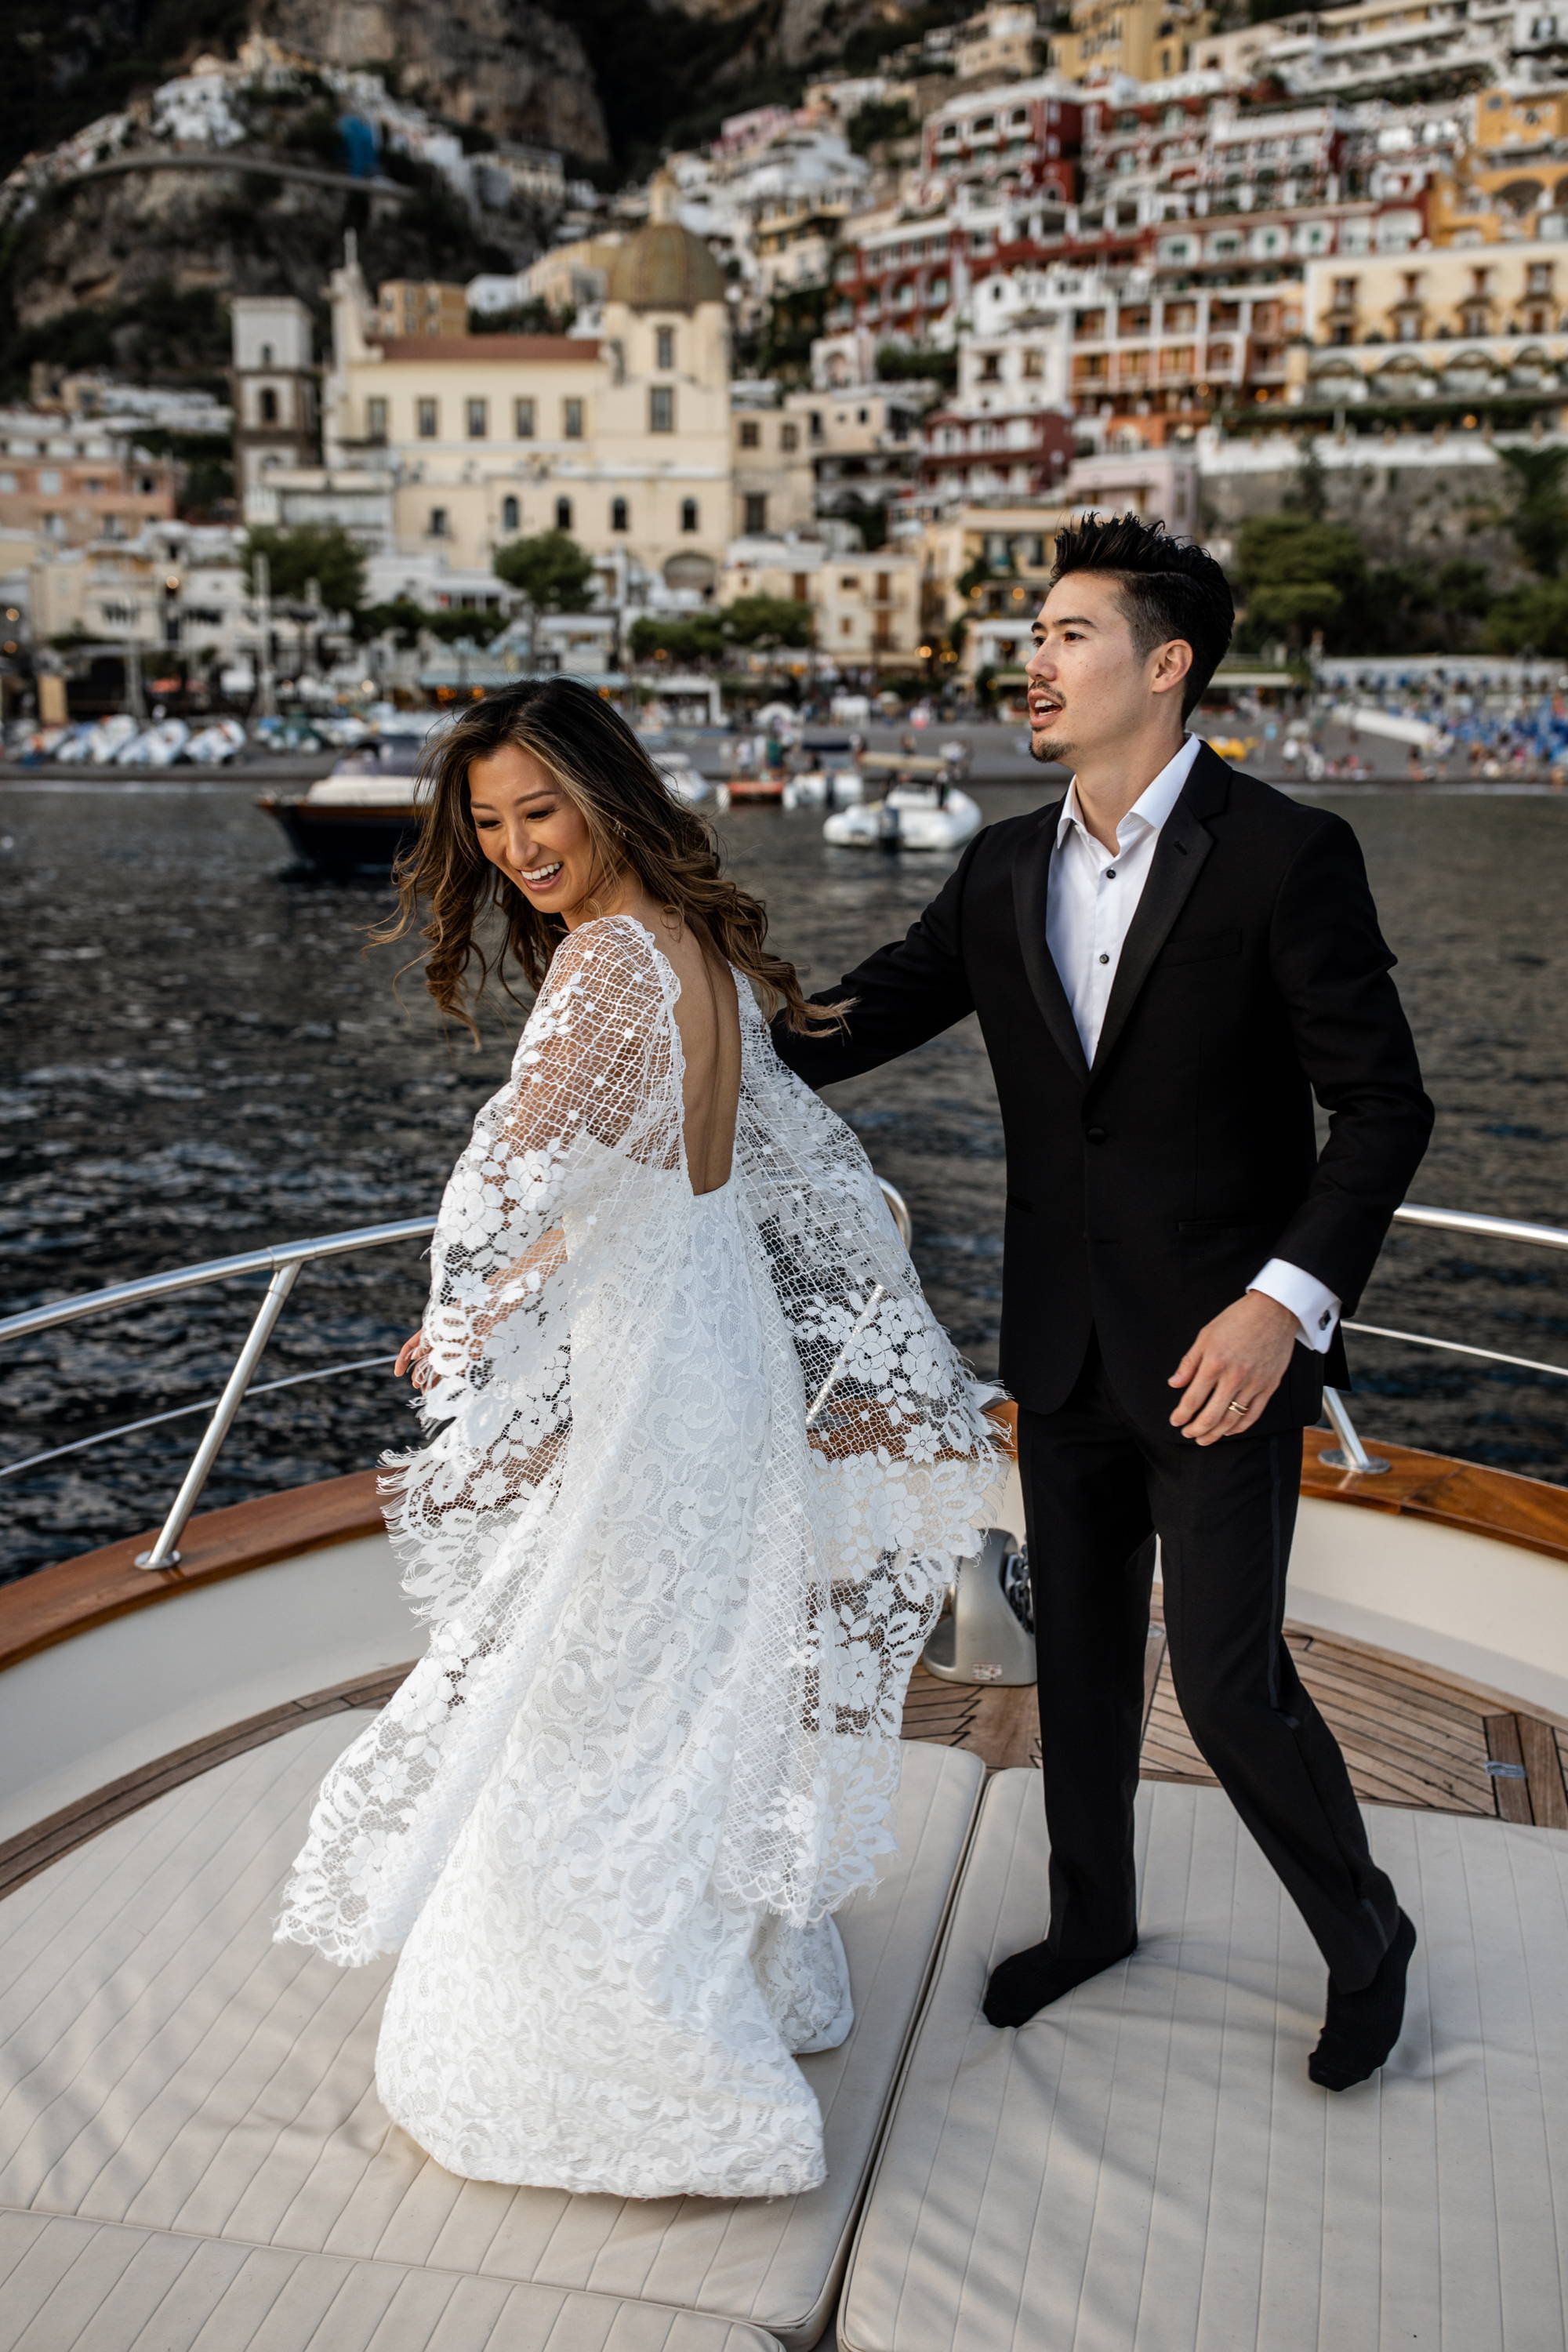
{"points": [[421, 306], [774, 480], [865, 606], [1457, 324], [1513, 180], [1003, 43], [623, 438], [1146, 38], [1003, 557]]}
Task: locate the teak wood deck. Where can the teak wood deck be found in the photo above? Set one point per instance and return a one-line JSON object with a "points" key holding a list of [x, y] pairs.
{"points": [[1411, 1736]]}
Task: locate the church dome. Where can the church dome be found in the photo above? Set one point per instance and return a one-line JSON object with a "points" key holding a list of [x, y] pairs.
{"points": [[663, 268]]}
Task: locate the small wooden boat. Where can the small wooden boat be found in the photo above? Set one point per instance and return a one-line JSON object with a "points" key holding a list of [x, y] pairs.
{"points": [[762, 787], [360, 818]]}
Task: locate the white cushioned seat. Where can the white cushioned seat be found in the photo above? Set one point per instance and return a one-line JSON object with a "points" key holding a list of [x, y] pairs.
{"points": [[167, 2066], [68, 2285], [1146, 2167]]}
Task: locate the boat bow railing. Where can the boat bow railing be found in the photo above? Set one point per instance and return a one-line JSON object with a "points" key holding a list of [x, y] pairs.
{"points": [[283, 1263]]}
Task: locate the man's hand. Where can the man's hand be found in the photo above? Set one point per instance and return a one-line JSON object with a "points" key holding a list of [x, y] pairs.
{"points": [[1238, 1360]]}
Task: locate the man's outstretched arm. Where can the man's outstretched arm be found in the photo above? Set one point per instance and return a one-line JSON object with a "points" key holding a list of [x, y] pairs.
{"points": [[906, 993]]}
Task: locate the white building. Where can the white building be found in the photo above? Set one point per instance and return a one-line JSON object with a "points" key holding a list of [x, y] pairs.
{"points": [[274, 375]]}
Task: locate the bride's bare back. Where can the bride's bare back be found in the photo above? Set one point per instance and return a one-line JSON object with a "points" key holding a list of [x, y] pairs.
{"points": [[709, 1020]]}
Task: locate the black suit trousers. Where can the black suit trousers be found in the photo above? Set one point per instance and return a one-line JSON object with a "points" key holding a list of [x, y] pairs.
{"points": [[1098, 1490]]}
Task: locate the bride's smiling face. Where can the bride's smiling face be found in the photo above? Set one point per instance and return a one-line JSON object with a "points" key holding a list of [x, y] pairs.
{"points": [[526, 825]]}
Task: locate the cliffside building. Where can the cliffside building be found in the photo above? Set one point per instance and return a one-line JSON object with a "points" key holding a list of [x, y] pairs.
{"points": [[623, 438]]}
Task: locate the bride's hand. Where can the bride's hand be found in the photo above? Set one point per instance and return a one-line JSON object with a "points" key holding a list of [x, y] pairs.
{"points": [[413, 1358]]}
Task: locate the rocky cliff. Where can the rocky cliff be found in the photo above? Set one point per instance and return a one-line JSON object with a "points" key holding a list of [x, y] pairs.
{"points": [[511, 67], [129, 263]]}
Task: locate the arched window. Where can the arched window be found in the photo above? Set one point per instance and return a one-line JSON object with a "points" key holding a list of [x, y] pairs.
{"points": [[689, 515], [620, 515], [268, 405], [562, 514], [510, 514]]}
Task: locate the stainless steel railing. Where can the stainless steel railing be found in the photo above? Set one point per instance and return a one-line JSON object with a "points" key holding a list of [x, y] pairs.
{"points": [[283, 1264], [1349, 1454]]}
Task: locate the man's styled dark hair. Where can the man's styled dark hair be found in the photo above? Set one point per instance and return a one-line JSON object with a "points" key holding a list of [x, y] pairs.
{"points": [[1167, 588]]}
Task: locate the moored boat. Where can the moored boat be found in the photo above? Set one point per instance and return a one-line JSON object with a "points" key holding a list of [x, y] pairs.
{"points": [[360, 817], [908, 802]]}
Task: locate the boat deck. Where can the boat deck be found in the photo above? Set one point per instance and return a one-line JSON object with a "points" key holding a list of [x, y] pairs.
{"points": [[1411, 1736]]}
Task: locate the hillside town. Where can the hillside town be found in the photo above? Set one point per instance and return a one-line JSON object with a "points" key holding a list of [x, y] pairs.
{"points": [[813, 399]]}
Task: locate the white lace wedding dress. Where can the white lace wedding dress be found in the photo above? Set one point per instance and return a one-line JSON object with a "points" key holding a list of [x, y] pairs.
{"points": [[700, 1468]]}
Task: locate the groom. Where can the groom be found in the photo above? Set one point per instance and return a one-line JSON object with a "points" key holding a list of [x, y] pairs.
{"points": [[1168, 964]]}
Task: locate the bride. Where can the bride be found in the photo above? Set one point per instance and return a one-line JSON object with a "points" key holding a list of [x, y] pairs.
{"points": [[700, 1462]]}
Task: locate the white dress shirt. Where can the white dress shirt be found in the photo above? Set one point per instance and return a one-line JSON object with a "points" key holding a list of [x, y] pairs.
{"points": [[1091, 899]]}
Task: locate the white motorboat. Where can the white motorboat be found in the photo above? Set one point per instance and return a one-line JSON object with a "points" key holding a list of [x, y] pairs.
{"points": [[215, 744], [824, 788], [910, 802], [158, 746], [110, 738], [829, 778], [684, 777], [192, 2155]]}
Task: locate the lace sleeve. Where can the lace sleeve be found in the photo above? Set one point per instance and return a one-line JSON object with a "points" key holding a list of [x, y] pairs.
{"points": [[592, 1097], [557, 1172]]}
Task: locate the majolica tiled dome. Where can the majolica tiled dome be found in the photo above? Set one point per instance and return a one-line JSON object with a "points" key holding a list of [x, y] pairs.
{"points": [[664, 267]]}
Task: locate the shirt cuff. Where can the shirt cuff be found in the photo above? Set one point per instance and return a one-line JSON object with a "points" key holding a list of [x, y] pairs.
{"points": [[1314, 1306]]}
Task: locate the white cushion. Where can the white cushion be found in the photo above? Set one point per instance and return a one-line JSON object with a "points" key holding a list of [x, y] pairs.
{"points": [[1146, 2167], [99, 2286], [168, 2065]]}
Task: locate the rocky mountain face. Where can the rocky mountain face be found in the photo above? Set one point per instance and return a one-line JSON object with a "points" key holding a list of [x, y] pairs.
{"points": [[131, 267], [509, 67]]}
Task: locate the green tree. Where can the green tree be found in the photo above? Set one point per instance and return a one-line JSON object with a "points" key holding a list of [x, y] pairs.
{"points": [[792, 323], [401, 615], [1413, 609], [869, 517], [766, 622], [1533, 620], [1310, 493], [880, 119], [458, 620], [320, 552], [535, 318], [549, 569], [904, 362], [680, 637], [1538, 515], [1297, 575]]}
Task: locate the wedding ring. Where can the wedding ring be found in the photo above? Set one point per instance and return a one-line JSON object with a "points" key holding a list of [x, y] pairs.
{"points": [[1235, 1407]]}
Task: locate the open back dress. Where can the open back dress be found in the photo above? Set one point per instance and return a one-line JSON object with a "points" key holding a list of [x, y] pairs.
{"points": [[700, 1467]]}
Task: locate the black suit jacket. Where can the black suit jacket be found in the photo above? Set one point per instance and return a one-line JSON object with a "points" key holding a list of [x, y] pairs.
{"points": [[1144, 1193]]}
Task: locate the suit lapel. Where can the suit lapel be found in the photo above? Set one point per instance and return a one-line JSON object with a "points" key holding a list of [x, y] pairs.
{"points": [[1184, 842], [1031, 876]]}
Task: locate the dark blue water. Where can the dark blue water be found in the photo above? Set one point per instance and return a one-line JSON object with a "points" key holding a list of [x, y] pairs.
{"points": [[200, 1057]]}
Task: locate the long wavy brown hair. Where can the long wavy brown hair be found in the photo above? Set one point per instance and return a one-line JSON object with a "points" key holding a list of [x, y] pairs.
{"points": [[634, 822]]}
